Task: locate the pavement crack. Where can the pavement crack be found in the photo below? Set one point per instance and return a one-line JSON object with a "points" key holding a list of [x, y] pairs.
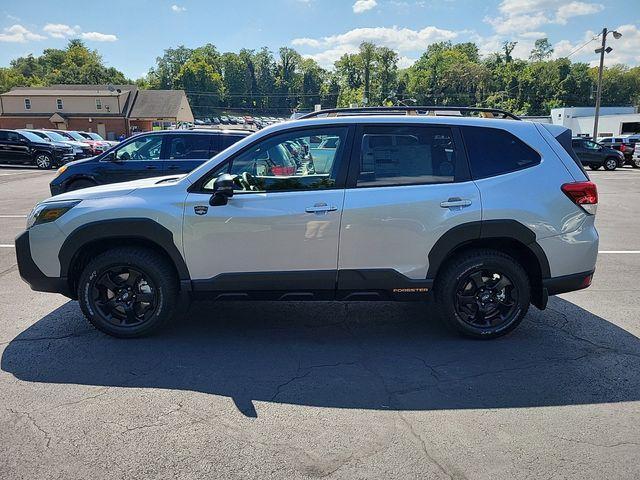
{"points": [[593, 444], [47, 435], [40, 339], [308, 370]]}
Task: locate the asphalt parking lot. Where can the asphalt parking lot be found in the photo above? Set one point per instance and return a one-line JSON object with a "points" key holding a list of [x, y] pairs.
{"points": [[331, 390]]}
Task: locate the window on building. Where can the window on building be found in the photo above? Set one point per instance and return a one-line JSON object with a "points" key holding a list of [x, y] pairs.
{"points": [[59, 105], [27, 104], [98, 104]]}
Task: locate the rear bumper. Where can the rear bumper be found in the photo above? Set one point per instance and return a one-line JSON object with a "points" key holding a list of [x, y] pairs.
{"points": [[31, 274], [567, 283]]}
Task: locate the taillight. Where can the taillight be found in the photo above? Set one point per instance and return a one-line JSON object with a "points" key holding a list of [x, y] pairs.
{"points": [[583, 194]]}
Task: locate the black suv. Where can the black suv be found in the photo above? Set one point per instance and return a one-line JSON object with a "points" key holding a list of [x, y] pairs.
{"points": [[595, 155], [152, 154], [27, 148]]}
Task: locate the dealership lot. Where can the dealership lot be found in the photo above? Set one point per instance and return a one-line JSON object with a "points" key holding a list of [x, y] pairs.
{"points": [[299, 390]]}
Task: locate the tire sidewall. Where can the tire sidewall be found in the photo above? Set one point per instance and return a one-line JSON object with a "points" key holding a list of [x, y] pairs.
{"points": [[87, 281], [516, 275], [49, 161]]}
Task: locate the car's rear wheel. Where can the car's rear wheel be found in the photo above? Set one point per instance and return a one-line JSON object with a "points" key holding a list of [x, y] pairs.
{"points": [[128, 292], [635, 163], [483, 293], [610, 164], [80, 184], [43, 161]]}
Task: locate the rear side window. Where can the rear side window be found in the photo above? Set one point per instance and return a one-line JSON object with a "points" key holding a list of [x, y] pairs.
{"points": [[228, 140], [493, 151], [399, 155], [189, 147]]}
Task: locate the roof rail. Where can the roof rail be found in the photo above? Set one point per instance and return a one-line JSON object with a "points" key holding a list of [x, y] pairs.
{"points": [[415, 110]]}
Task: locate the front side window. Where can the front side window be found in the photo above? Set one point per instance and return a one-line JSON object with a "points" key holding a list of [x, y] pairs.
{"points": [[591, 145], [142, 148], [286, 162], [59, 103], [406, 155], [493, 152], [27, 104], [188, 147]]}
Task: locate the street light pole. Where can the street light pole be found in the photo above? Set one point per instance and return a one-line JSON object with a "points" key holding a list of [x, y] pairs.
{"points": [[599, 92], [602, 50]]}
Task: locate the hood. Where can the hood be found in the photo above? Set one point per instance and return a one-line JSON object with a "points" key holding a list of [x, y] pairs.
{"points": [[59, 144], [75, 143], [113, 189]]}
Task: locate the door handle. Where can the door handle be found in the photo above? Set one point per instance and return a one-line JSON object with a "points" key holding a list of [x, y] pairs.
{"points": [[173, 167], [151, 167], [321, 208], [455, 202]]}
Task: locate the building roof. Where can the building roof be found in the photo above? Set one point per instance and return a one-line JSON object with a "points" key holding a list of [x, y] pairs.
{"points": [[157, 104], [72, 90]]}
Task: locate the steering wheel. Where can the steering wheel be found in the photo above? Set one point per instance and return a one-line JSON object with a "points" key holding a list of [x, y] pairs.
{"points": [[247, 181], [136, 156]]}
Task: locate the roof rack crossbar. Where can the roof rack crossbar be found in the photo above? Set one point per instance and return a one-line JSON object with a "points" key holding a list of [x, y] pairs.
{"points": [[411, 110]]}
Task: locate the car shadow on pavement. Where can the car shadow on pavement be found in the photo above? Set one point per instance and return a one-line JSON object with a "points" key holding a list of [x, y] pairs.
{"points": [[342, 355]]}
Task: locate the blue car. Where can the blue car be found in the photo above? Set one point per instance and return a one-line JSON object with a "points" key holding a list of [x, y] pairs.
{"points": [[152, 154]]}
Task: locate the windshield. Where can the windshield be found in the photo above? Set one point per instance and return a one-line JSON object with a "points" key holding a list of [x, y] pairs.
{"points": [[76, 136], [31, 136], [55, 136], [93, 136]]}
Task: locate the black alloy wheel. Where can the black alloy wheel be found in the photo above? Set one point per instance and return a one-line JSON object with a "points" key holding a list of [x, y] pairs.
{"points": [[124, 296], [486, 298]]}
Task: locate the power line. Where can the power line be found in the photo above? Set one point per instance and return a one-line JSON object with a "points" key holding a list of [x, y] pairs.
{"points": [[582, 46]]}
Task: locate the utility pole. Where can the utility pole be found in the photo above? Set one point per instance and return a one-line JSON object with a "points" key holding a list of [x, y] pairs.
{"points": [[602, 50]]}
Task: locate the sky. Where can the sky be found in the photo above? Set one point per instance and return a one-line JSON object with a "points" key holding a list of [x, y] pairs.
{"points": [[131, 34]]}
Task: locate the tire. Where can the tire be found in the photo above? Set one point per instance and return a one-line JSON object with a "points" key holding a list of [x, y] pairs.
{"points": [[477, 304], [610, 164], [128, 292], [80, 184], [635, 163], [594, 166], [43, 161]]}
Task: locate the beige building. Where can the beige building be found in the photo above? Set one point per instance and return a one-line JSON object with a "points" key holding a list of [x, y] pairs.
{"points": [[110, 111]]}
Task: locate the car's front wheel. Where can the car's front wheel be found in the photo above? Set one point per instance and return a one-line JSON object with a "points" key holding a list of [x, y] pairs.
{"points": [[128, 292], [635, 163], [483, 293], [610, 164], [594, 166], [43, 161]]}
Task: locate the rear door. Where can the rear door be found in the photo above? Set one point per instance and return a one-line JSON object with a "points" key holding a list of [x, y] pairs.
{"points": [[186, 151], [407, 185]]}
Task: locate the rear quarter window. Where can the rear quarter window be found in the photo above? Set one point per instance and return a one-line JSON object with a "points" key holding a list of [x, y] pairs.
{"points": [[492, 151]]}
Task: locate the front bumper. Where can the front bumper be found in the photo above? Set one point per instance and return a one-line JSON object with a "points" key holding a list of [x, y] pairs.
{"points": [[31, 274]]}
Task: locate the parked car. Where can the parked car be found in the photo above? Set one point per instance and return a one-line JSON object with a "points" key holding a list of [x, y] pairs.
{"points": [[26, 148], [98, 138], [623, 144], [224, 120], [490, 214], [594, 155], [73, 136], [80, 149], [145, 155]]}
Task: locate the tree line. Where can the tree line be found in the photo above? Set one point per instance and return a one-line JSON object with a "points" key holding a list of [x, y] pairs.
{"points": [[285, 81]]}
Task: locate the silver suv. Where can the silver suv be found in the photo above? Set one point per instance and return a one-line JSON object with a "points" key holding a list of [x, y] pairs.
{"points": [[486, 213]]}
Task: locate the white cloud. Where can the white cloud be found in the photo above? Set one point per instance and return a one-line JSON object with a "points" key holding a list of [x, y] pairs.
{"points": [[98, 37], [178, 8], [399, 39], [60, 30], [522, 16], [364, 5], [405, 62], [19, 34]]}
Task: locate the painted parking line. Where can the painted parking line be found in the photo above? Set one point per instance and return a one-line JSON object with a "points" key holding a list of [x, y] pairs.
{"points": [[12, 216], [7, 245], [619, 251]]}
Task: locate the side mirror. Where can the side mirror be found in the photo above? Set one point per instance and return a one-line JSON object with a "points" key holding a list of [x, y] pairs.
{"points": [[222, 190]]}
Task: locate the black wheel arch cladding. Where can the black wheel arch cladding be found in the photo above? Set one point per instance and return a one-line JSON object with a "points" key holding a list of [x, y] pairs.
{"points": [[130, 228], [467, 233]]}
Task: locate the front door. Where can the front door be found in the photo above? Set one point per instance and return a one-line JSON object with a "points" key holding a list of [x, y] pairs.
{"points": [[279, 231], [407, 186], [140, 157]]}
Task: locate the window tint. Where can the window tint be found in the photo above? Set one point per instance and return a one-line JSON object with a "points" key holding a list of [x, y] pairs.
{"points": [[228, 140], [286, 162], [406, 155], [14, 137], [4, 136], [142, 148], [493, 151], [189, 147]]}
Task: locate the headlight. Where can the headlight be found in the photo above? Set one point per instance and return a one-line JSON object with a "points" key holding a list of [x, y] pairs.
{"points": [[49, 212], [62, 169]]}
